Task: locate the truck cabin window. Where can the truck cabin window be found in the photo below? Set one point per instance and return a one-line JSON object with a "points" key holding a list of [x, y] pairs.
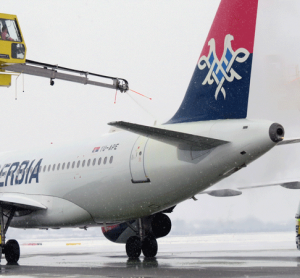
{"points": [[9, 30]]}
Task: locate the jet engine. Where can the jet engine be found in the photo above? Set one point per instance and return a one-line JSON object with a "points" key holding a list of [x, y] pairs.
{"points": [[158, 225], [121, 232], [161, 225]]}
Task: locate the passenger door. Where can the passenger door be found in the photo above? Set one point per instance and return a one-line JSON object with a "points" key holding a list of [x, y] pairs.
{"points": [[137, 157]]}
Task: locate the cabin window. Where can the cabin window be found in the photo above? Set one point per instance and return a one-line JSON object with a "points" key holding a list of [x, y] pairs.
{"points": [[78, 163], [104, 161], [89, 162], [17, 51], [9, 30], [111, 159], [68, 166], [53, 168], [63, 166], [94, 161], [45, 168], [99, 161], [49, 168], [73, 164], [58, 166], [83, 163]]}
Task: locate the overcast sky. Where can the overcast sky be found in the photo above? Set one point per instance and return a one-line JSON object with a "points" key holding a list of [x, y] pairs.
{"points": [[155, 45]]}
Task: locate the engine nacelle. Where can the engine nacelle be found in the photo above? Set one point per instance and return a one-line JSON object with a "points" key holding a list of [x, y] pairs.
{"points": [[119, 233], [159, 225]]}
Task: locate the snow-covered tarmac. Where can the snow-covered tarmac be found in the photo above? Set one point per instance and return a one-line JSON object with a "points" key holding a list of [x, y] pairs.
{"points": [[228, 255]]}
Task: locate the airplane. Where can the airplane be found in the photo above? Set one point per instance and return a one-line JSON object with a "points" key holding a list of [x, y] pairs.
{"points": [[126, 181]]}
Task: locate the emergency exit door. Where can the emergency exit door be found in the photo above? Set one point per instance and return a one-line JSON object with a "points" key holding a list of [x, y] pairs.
{"points": [[137, 161]]}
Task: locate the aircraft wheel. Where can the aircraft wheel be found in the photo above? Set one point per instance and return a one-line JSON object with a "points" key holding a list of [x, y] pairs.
{"points": [[133, 247], [149, 247], [12, 251]]}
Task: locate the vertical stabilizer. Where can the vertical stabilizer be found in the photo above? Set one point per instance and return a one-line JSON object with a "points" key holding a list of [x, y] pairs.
{"points": [[219, 88]]}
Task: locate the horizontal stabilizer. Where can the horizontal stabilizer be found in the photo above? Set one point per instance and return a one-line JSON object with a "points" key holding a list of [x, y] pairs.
{"points": [[222, 193], [171, 137], [19, 201], [289, 141]]}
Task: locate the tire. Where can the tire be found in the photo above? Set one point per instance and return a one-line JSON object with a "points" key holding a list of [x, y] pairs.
{"points": [[12, 251], [133, 247], [149, 247]]}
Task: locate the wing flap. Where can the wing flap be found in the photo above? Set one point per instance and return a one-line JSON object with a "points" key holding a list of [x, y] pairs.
{"points": [[171, 137], [20, 201]]}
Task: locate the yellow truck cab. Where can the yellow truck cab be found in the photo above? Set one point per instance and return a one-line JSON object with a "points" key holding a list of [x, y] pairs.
{"points": [[12, 45]]}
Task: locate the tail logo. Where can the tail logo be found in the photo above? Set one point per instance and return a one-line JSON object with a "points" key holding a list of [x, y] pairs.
{"points": [[219, 71]]}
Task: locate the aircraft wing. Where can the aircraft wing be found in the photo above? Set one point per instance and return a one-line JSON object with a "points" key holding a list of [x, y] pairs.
{"points": [[288, 185], [171, 137], [19, 201], [233, 192]]}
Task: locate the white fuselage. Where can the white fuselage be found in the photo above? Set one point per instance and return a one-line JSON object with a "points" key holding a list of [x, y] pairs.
{"points": [[141, 176]]}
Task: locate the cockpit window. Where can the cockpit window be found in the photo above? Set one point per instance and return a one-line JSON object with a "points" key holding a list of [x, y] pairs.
{"points": [[9, 30]]}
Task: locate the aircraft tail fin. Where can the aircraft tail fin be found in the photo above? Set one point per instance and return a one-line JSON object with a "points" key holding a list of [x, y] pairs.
{"points": [[219, 88]]}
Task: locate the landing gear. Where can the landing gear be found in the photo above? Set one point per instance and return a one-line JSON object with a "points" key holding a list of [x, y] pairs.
{"points": [[147, 230], [149, 246], [11, 249], [133, 247]]}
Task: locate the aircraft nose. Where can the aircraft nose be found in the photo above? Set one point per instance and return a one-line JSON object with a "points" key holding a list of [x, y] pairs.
{"points": [[276, 132]]}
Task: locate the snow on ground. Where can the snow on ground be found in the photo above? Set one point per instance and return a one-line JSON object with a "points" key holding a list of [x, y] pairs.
{"points": [[253, 249]]}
